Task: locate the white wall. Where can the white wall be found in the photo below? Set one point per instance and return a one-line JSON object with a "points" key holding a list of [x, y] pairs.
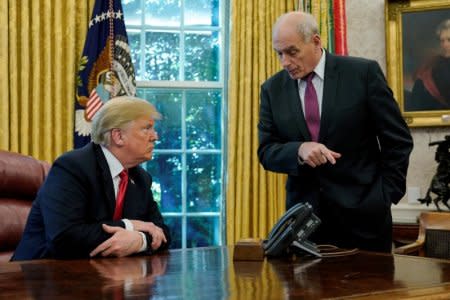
{"points": [[366, 38]]}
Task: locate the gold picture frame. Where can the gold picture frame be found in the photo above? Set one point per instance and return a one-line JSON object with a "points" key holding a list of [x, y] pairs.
{"points": [[412, 48]]}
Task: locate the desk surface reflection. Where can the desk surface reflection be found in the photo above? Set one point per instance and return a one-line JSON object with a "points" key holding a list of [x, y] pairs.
{"points": [[211, 273]]}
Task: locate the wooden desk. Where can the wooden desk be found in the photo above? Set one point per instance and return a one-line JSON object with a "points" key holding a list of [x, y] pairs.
{"points": [[210, 273]]}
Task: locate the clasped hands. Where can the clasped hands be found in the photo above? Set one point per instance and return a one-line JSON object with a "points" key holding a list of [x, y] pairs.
{"points": [[315, 154], [126, 242]]}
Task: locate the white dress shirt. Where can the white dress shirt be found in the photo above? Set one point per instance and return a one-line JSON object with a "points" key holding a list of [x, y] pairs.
{"points": [[115, 167], [317, 82]]}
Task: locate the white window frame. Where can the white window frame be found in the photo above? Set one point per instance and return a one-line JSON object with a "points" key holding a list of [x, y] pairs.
{"points": [[182, 86]]}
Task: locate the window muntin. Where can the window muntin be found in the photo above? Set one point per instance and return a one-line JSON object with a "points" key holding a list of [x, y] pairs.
{"points": [[177, 47]]}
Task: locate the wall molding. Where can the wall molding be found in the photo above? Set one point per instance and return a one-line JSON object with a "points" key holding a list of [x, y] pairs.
{"points": [[406, 213]]}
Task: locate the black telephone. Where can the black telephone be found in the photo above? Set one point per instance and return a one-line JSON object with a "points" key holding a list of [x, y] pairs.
{"points": [[291, 232]]}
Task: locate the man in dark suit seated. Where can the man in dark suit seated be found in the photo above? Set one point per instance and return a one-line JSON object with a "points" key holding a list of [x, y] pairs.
{"points": [[331, 123], [96, 200]]}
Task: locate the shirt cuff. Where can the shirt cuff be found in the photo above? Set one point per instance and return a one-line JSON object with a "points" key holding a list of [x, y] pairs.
{"points": [[300, 161], [128, 224], [144, 242]]}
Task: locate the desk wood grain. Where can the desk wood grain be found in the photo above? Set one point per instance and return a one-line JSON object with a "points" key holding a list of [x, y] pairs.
{"points": [[211, 273]]}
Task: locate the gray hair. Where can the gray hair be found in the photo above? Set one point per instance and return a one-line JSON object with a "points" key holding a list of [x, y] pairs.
{"points": [[444, 25], [119, 112], [305, 24]]}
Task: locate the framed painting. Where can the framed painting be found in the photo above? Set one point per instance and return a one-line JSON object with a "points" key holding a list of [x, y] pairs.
{"points": [[418, 59]]}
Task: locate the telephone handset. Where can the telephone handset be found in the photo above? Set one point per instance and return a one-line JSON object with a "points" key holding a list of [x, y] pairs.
{"points": [[292, 231]]}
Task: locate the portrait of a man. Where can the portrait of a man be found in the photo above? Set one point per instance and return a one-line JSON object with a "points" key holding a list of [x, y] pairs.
{"points": [[426, 60]]}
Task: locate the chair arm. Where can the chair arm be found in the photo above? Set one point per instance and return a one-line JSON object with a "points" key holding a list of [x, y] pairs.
{"points": [[410, 248]]}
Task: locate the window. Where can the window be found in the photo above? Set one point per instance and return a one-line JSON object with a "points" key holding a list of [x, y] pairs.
{"points": [[178, 49]]}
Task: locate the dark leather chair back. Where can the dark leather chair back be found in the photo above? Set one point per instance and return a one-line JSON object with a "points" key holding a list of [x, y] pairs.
{"points": [[21, 177]]}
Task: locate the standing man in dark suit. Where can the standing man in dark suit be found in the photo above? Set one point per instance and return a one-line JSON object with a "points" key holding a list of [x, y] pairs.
{"points": [[342, 140], [96, 200]]}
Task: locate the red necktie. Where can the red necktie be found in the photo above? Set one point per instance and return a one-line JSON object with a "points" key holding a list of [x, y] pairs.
{"points": [[312, 115], [121, 194]]}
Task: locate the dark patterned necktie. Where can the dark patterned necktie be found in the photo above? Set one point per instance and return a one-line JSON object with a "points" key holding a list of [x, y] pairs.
{"points": [[312, 115]]}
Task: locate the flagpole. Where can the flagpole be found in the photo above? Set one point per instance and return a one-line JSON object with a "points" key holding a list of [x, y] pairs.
{"points": [[101, 76], [111, 41]]}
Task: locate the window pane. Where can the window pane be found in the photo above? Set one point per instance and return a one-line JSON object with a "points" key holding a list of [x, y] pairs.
{"points": [[182, 40], [202, 56], [203, 231], [166, 174], [168, 103], [134, 40], [203, 182], [162, 13], [203, 119], [132, 11], [174, 223], [162, 55], [201, 12]]}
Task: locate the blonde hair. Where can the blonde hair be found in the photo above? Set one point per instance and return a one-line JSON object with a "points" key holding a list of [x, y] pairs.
{"points": [[119, 112]]}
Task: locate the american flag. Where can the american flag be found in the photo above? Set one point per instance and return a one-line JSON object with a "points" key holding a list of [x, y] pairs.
{"points": [[93, 105], [105, 68]]}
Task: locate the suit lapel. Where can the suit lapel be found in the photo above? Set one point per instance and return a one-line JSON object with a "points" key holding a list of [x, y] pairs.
{"points": [[106, 180], [329, 95], [130, 206], [295, 105]]}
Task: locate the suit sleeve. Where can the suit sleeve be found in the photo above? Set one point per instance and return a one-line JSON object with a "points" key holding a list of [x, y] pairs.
{"points": [[66, 203], [393, 135], [276, 154], [156, 218]]}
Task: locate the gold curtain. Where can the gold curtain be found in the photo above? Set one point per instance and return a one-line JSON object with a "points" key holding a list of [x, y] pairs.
{"points": [[322, 10], [255, 198], [41, 42]]}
